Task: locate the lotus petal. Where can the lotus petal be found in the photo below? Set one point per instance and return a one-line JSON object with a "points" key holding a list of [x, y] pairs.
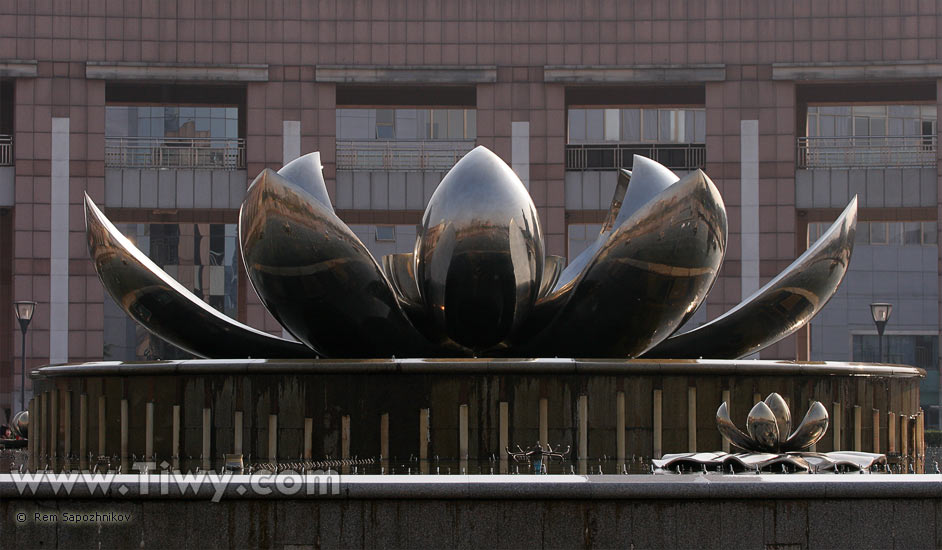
{"points": [[400, 270], [307, 173], [762, 427], [810, 431], [479, 254], [783, 417], [784, 305], [316, 277], [165, 308], [552, 268], [652, 271], [729, 430]]}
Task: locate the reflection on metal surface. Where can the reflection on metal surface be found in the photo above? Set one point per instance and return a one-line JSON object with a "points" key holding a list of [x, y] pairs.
{"points": [[164, 307], [538, 455], [307, 173], [479, 253], [315, 277], [653, 269], [552, 268], [768, 424], [784, 305], [20, 424]]}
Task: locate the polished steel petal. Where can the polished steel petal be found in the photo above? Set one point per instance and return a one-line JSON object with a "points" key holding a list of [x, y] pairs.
{"points": [[762, 427], [779, 308], [316, 277], [648, 179], [400, 270], [307, 173], [810, 431], [479, 254], [653, 270], [783, 417], [729, 430], [552, 268], [618, 197], [165, 308]]}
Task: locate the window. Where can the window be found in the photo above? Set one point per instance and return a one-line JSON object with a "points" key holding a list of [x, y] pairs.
{"points": [[385, 233], [385, 124], [406, 124], [171, 121], [871, 120], [637, 125]]}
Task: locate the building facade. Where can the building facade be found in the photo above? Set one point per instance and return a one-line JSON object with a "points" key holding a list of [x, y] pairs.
{"points": [[164, 111]]}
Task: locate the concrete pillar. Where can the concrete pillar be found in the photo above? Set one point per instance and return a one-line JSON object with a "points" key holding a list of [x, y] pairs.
{"points": [[691, 419], [657, 424], [620, 443], [237, 432], [308, 438], [544, 421], [149, 431], [504, 434], [729, 407]]}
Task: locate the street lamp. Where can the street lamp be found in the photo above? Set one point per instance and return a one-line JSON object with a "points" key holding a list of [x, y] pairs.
{"points": [[24, 314], [881, 314]]}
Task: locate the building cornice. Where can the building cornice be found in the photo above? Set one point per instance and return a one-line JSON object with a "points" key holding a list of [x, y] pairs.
{"points": [[856, 71], [384, 74], [608, 74], [176, 71], [17, 68]]}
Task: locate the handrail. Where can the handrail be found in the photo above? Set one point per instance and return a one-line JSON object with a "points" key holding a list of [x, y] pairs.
{"points": [[866, 151], [6, 150], [400, 154], [611, 156], [175, 152]]}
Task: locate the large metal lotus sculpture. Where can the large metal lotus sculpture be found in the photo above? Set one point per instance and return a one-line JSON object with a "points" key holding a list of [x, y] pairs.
{"points": [[478, 282]]}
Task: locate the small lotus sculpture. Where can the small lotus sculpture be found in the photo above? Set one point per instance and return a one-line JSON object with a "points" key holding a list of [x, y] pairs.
{"points": [[769, 425], [478, 282]]}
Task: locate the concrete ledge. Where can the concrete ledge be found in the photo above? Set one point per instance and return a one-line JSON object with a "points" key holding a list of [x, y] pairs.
{"points": [[577, 74], [476, 366], [381, 74], [479, 487], [176, 71], [18, 68], [855, 71]]}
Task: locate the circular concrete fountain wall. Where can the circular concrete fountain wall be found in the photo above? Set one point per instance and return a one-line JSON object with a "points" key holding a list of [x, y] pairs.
{"points": [[451, 409]]}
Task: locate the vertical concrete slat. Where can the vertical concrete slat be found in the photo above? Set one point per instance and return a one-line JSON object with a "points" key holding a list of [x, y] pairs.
{"points": [[836, 426], [175, 434], [463, 432], [273, 439], [657, 424], [101, 425], [503, 440], [620, 443], [544, 421], [31, 440], [308, 438], [903, 435], [67, 424], [384, 436], [423, 440], [53, 424], [583, 433], [691, 419], [41, 421], [891, 422], [858, 428], [876, 430], [205, 448], [237, 432], [149, 430], [124, 428], [729, 407], [83, 431], [345, 436]]}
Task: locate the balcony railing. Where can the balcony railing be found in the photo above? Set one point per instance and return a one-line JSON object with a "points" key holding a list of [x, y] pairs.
{"points": [[203, 153], [400, 155], [6, 150], [866, 151], [610, 156]]}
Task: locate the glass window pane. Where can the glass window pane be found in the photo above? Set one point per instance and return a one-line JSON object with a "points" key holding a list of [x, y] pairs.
{"points": [[455, 123], [912, 233], [576, 125], [877, 232], [862, 236], [929, 233], [894, 230], [471, 118], [594, 125], [861, 126], [664, 134], [649, 125], [631, 125]]}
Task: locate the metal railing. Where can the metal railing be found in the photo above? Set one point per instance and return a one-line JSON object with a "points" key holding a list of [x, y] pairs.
{"points": [[400, 155], [610, 156], [6, 150], [866, 151], [145, 152]]}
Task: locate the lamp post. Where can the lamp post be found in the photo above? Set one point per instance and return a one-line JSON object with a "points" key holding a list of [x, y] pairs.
{"points": [[24, 314], [881, 314]]}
